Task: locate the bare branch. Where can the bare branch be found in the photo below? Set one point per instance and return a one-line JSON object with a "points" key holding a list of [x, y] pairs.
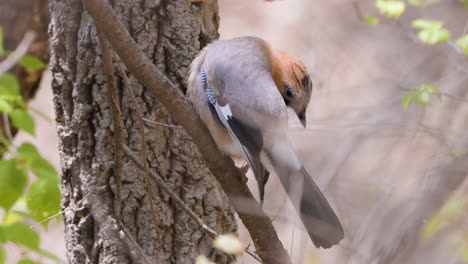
{"points": [[160, 124], [117, 120], [20, 51]]}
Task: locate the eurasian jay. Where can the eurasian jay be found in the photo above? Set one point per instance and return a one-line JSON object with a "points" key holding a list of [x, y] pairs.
{"points": [[241, 89]]}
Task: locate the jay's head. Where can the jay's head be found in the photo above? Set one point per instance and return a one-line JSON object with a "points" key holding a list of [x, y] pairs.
{"points": [[293, 82]]}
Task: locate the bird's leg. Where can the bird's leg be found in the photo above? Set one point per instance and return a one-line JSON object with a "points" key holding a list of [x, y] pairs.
{"points": [[261, 185]]}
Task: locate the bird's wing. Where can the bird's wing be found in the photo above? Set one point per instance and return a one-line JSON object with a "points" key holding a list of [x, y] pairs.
{"points": [[247, 139], [244, 99]]}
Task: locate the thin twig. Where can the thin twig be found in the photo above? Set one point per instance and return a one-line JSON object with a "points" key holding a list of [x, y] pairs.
{"points": [[62, 212], [161, 124], [6, 125], [247, 250], [135, 243], [168, 190], [19, 52], [117, 120]]}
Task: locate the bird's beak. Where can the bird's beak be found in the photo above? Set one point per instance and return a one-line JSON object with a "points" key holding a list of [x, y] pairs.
{"points": [[302, 117]]}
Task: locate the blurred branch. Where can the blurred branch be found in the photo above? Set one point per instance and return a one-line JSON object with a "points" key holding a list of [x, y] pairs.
{"points": [[19, 52], [259, 225]]}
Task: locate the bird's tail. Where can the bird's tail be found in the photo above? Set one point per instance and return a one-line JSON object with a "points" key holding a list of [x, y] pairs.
{"points": [[316, 214]]}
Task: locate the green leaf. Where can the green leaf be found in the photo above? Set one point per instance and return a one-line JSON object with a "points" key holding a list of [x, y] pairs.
{"points": [[22, 120], [22, 234], [425, 24], [31, 62], [28, 261], [422, 2], [431, 31], [371, 20], [391, 8], [12, 182], [9, 85], [43, 169], [5, 106], [463, 44], [2, 50], [421, 95], [48, 254], [43, 199], [457, 154], [39, 166], [405, 101], [2, 255], [28, 152]]}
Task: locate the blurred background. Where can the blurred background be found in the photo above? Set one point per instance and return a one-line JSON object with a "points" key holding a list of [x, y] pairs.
{"points": [[395, 177]]}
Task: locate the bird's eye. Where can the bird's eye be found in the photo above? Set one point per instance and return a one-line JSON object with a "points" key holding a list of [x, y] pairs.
{"points": [[288, 91]]}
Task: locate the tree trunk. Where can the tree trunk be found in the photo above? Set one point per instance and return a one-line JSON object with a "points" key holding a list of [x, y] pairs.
{"points": [[170, 33]]}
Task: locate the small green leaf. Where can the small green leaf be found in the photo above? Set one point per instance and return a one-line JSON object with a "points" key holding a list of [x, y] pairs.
{"points": [[425, 24], [9, 85], [431, 31], [39, 166], [43, 169], [391, 8], [13, 217], [5, 106], [28, 152], [2, 50], [371, 20], [422, 2], [43, 199], [457, 154], [405, 101], [31, 62], [22, 234], [463, 44], [12, 182], [28, 261], [22, 120], [228, 243], [421, 95]]}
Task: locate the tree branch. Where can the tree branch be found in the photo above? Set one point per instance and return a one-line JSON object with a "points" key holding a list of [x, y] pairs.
{"points": [[19, 52], [117, 120], [259, 225]]}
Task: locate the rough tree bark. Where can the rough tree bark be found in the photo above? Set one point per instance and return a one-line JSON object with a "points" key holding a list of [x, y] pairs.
{"points": [[170, 33]]}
